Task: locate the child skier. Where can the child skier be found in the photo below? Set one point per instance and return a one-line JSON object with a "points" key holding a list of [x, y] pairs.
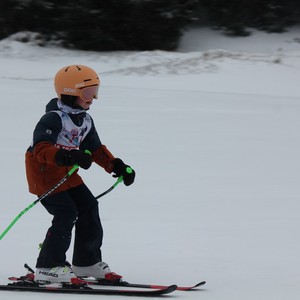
{"points": [[60, 139]]}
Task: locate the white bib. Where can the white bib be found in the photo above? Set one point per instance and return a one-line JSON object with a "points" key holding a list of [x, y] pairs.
{"points": [[71, 135]]}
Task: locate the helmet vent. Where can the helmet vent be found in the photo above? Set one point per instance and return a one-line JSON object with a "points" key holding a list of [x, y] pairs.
{"points": [[78, 68]]}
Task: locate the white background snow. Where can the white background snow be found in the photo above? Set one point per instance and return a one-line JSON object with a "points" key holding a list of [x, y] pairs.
{"points": [[213, 132]]}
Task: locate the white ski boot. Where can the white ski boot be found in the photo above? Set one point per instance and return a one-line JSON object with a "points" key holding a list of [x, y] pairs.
{"points": [[54, 275], [99, 270]]}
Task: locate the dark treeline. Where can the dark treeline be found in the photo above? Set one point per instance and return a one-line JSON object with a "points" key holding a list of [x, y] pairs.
{"points": [[235, 17], [140, 24]]}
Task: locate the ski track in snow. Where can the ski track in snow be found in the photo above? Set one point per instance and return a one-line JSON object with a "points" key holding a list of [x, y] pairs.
{"points": [[147, 62]]}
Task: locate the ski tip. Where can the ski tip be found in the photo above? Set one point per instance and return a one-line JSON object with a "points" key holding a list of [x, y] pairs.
{"points": [[171, 288], [200, 284], [189, 288]]}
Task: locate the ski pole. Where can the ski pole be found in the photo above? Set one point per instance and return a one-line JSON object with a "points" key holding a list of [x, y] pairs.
{"points": [[14, 221], [74, 168], [120, 179]]}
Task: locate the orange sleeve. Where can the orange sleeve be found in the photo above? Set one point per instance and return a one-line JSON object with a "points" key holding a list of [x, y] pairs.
{"points": [[103, 157], [45, 152]]}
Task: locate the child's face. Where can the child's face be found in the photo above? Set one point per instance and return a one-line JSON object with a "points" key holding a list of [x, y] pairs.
{"points": [[84, 104], [86, 96]]}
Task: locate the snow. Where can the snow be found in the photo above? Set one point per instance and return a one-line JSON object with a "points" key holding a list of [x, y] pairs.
{"points": [[213, 134]]}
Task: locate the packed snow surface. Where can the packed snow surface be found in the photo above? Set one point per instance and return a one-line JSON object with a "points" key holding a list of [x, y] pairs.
{"points": [[213, 132]]}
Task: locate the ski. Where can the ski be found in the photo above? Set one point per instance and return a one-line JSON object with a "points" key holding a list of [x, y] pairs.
{"points": [[30, 277], [140, 285], [84, 289]]}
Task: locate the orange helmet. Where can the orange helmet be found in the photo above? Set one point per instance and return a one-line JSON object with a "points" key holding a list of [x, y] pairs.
{"points": [[70, 80]]}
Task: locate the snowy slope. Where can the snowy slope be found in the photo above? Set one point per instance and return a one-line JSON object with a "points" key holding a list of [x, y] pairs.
{"points": [[213, 134]]}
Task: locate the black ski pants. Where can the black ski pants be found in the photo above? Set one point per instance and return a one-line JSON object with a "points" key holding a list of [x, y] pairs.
{"points": [[76, 206]]}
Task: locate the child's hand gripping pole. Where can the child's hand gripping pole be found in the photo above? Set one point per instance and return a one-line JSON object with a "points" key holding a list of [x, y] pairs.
{"points": [[120, 179]]}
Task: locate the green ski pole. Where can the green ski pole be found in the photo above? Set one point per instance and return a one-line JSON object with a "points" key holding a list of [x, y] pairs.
{"points": [[14, 221], [120, 179]]}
